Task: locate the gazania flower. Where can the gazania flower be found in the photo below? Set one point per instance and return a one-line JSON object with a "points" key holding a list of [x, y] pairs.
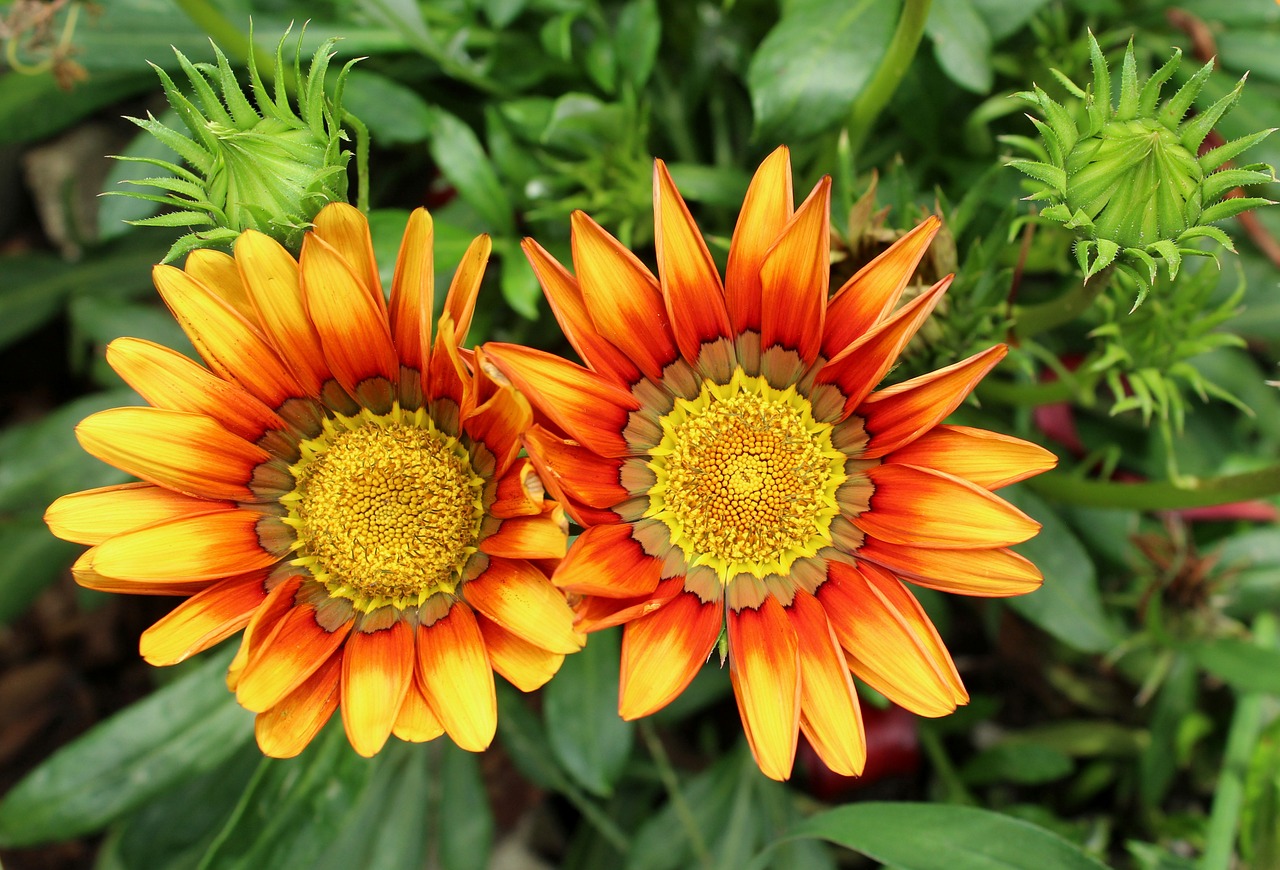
{"points": [[735, 471], [338, 484]]}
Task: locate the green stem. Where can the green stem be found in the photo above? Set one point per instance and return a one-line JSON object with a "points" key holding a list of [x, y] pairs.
{"points": [[671, 783], [1228, 799], [897, 59], [1029, 320], [1187, 492], [1009, 393], [946, 772]]}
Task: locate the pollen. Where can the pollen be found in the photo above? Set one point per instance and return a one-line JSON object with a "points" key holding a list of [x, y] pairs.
{"points": [[386, 509], [745, 478]]}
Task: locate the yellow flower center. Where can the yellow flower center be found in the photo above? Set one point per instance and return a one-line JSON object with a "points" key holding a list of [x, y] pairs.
{"points": [[746, 478], [387, 508]]}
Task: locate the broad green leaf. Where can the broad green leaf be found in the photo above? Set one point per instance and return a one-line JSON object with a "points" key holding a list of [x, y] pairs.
{"points": [[1068, 605], [961, 43], [99, 321], [1004, 17], [636, 39], [808, 71], [384, 829], [466, 822], [1025, 764], [525, 740], [33, 558], [34, 107], [503, 12], [187, 728], [709, 797], [461, 158], [919, 836], [1244, 666], [581, 710], [1252, 560], [395, 114], [520, 287]]}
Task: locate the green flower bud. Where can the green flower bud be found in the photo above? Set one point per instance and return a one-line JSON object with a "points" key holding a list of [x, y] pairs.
{"points": [[267, 168], [1128, 179]]}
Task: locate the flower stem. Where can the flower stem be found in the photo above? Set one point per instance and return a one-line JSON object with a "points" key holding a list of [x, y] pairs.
{"points": [[1029, 320], [671, 783], [1242, 739], [897, 58], [1186, 492]]}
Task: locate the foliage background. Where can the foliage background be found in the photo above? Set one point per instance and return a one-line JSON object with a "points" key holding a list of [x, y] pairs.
{"points": [[1126, 713]]}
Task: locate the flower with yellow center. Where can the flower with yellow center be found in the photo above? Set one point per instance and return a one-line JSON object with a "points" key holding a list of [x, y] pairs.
{"points": [[734, 469], [339, 484]]}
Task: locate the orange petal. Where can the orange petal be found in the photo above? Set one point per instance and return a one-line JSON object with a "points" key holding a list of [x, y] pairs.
{"points": [[661, 653], [829, 712], [520, 492], [167, 379], [189, 453], [346, 230], [280, 599], [524, 665], [377, 668], [923, 508], [218, 273], [232, 346], [203, 547], [296, 647], [203, 620], [591, 410], [271, 276], [287, 728], [92, 516], [517, 596], [764, 662], [889, 641], [993, 573], [460, 304], [690, 282], [352, 325], [607, 561], [622, 297], [447, 378], [455, 670], [867, 297], [416, 722], [901, 413], [595, 612], [862, 364], [499, 424], [765, 211], [989, 459], [795, 276], [413, 292], [568, 468], [542, 537], [565, 298]]}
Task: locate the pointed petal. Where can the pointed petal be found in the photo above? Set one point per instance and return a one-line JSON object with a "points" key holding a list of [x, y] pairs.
{"points": [[516, 596], [167, 379], [765, 211], [345, 229], [416, 722], [447, 378], [94, 515], [524, 665], [582, 474], [829, 712], [352, 326], [995, 573], [902, 413], [289, 726], [765, 663], [203, 547], [218, 273], [889, 642], [661, 653], [923, 508], [189, 453], [623, 297], [590, 409], [460, 304], [595, 612], [690, 283], [565, 298], [377, 668], [280, 598], [862, 364], [869, 296], [988, 459], [207, 618], [520, 492], [795, 276], [413, 292], [607, 561], [294, 650], [456, 673], [499, 424]]}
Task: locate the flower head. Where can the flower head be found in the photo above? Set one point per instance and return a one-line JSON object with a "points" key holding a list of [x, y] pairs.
{"points": [[1130, 178], [339, 484], [735, 469]]}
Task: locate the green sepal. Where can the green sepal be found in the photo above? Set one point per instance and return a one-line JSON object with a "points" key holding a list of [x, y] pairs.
{"points": [[1232, 207], [1211, 160], [1194, 130]]}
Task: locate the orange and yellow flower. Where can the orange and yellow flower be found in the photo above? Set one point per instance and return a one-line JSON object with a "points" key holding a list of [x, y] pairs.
{"points": [[735, 470], [338, 483]]}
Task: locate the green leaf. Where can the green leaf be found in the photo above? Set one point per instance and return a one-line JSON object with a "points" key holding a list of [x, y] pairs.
{"points": [[466, 822], [636, 40], [394, 114], [961, 43], [918, 836], [461, 158], [187, 728], [99, 322], [1244, 666], [815, 62], [33, 558], [581, 710], [1024, 764], [1068, 605], [34, 107]]}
